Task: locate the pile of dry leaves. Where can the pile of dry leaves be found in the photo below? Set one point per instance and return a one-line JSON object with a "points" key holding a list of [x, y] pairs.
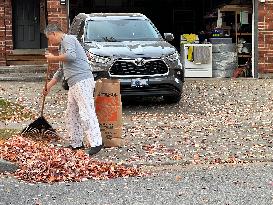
{"points": [[42, 162]]}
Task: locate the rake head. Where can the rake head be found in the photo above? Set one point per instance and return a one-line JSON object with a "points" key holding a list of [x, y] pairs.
{"points": [[39, 127]]}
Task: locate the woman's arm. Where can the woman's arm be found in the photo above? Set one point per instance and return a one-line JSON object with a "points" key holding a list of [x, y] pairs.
{"points": [[54, 59], [57, 77]]}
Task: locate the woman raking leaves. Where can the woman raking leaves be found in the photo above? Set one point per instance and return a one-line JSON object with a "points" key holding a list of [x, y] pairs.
{"points": [[80, 114]]}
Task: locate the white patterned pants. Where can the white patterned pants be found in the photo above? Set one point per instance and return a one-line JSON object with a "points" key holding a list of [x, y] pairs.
{"points": [[80, 114]]}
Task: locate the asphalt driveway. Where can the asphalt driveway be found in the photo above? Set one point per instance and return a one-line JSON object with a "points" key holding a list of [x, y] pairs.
{"points": [[217, 120], [219, 136]]}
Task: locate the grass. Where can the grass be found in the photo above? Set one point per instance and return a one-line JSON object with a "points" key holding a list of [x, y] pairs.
{"points": [[13, 111], [7, 133]]}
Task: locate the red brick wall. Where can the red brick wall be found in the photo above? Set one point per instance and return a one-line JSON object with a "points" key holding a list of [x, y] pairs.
{"points": [[2, 34], [57, 14], [265, 34], [8, 23], [6, 43]]}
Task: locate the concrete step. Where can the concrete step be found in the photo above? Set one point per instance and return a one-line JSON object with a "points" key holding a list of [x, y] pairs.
{"points": [[23, 69], [23, 77], [24, 73], [26, 57]]}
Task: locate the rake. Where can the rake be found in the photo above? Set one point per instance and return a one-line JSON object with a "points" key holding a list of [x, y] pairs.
{"points": [[40, 127]]}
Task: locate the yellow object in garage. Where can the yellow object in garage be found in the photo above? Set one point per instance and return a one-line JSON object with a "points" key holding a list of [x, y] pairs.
{"points": [[190, 37], [190, 52]]}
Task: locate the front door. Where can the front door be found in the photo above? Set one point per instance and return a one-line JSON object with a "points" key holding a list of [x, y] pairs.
{"points": [[26, 24]]}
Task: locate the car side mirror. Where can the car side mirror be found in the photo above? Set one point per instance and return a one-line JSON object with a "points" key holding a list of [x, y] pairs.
{"points": [[168, 36]]}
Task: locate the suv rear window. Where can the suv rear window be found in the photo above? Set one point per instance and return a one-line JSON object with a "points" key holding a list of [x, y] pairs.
{"points": [[121, 30]]}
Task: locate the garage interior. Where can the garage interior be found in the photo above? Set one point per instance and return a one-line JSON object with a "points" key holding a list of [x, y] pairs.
{"points": [[210, 20]]}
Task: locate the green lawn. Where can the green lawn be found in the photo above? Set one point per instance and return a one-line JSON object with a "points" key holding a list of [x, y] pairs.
{"points": [[7, 133], [12, 112]]}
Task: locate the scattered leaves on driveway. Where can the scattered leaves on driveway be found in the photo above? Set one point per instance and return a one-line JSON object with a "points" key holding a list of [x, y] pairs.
{"points": [[216, 121]]}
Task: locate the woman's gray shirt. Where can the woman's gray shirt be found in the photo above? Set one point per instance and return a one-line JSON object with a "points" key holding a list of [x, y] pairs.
{"points": [[76, 67]]}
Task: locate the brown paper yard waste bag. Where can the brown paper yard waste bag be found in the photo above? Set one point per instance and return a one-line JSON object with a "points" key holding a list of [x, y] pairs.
{"points": [[109, 111]]}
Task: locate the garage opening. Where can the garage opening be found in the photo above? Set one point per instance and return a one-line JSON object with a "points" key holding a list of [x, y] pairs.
{"points": [[225, 24]]}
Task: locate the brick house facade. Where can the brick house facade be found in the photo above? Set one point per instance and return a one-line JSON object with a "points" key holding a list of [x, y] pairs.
{"points": [[265, 36], [57, 13]]}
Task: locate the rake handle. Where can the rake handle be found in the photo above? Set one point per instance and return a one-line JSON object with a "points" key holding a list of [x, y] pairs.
{"points": [[45, 87]]}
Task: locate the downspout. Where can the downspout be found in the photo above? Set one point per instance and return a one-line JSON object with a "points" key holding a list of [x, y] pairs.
{"points": [[68, 17], [255, 39], [5, 26]]}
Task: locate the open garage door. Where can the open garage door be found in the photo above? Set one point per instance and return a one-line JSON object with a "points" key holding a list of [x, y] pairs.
{"points": [[187, 16]]}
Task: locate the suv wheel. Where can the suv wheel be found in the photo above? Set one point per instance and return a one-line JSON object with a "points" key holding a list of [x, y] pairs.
{"points": [[172, 98]]}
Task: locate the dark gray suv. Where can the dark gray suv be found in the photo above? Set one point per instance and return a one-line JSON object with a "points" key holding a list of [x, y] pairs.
{"points": [[128, 47]]}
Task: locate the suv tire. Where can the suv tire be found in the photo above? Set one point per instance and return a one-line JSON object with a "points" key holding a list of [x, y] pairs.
{"points": [[172, 98]]}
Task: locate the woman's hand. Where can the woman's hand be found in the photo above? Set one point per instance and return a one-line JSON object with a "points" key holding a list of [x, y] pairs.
{"points": [[49, 85], [55, 58], [50, 57], [46, 90]]}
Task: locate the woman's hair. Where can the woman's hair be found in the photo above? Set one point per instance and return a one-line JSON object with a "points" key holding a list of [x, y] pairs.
{"points": [[50, 28]]}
